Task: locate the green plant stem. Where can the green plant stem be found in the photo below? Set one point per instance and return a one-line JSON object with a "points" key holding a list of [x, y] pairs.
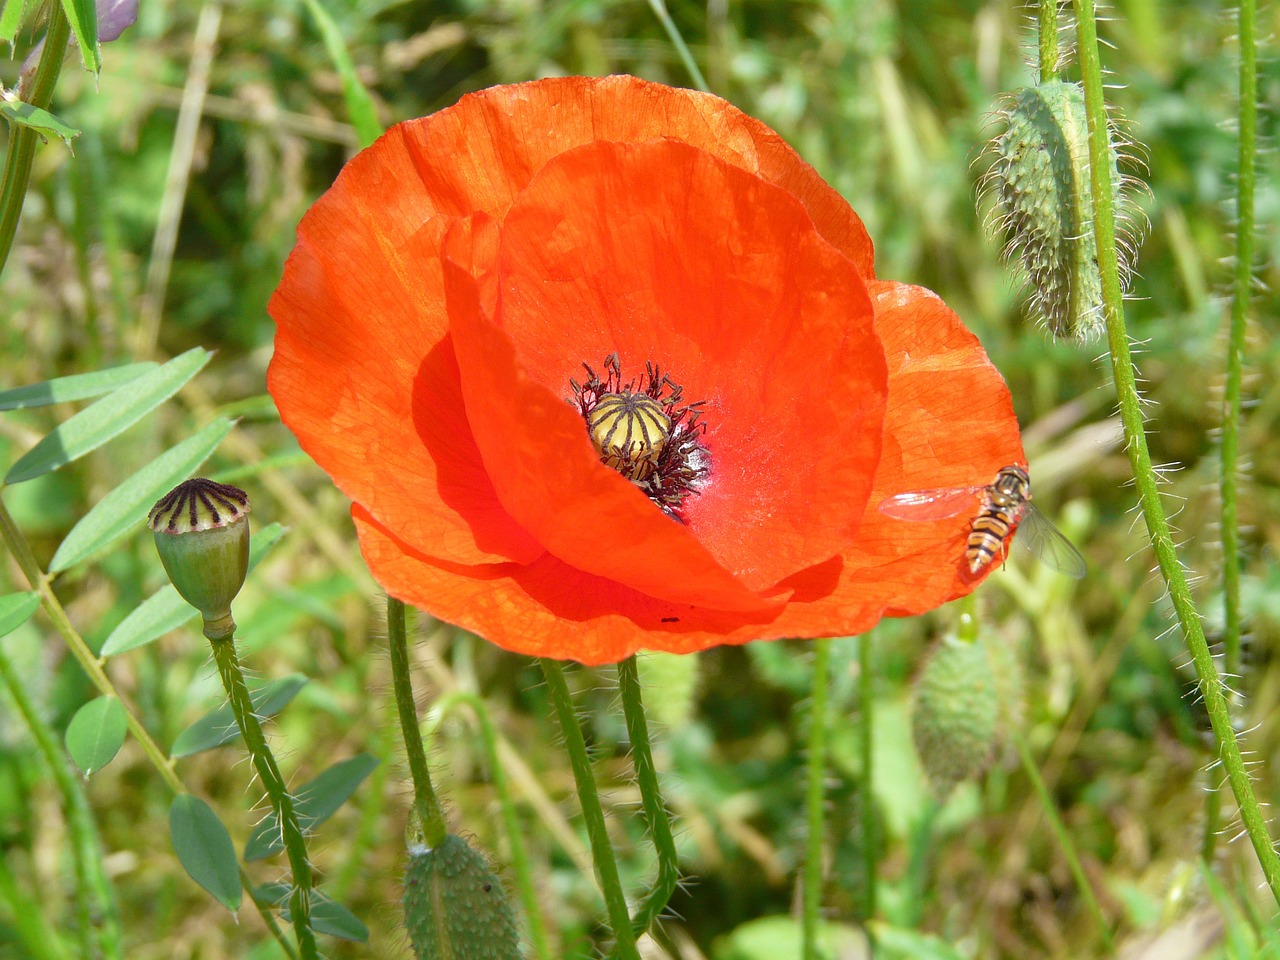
{"points": [[511, 818], [602, 853], [295, 844], [815, 809], [866, 757], [1048, 22], [425, 803], [655, 808], [92, 666], [1140, 458], [23, 140], [30, 927], [1063, 837], [1245, 213], [660, 11], [95, 901]]}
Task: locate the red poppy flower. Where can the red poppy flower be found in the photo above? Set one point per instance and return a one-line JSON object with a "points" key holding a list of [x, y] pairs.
{"points": [[604, 365]]}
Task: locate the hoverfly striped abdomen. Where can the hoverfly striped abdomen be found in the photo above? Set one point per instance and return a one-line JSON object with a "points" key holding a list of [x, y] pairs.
{"points": [[1005, 502]]}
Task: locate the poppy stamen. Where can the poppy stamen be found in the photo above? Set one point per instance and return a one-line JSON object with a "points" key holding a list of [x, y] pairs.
{"points": [[643, 429]]}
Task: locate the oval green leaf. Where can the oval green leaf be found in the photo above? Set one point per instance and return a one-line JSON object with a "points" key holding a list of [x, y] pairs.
{"points": [[83, 17], [112, 415], [328, 916], [79, 386], [315, 803], [164, 610], [219, 726], [10, 21], [96, 733], [41, 121], [121, 510], [15, 610], [205, 849]]}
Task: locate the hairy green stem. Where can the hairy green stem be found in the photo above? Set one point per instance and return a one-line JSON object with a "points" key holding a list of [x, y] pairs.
{"points": [[815, 806], [1063, 837], [655, 808], [295, 844], [511, 818], [95, 901], [592, 813], [1158, 530], [23, 140], [866, 757], [1245, 213], [1048, 23], [20, 550], [425, 802], [660, 11]]}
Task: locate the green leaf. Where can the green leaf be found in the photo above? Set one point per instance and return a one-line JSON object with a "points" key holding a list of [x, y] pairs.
{"points": [[112, 415], [78, 386], [327, 915], [83, 17], [219, 726], [205, 849], [125, 507], [10, 21], [364, 117], [96, 734], [164, 610], [41, 121], [315, 803], [15, 610], [898, 943]]}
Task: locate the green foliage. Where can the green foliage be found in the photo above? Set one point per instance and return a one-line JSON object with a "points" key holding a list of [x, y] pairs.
{"points": [[315, 802], [204, 848], [96, 734]]}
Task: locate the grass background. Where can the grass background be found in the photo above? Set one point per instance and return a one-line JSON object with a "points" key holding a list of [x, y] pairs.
{"points": [[889, 102]]}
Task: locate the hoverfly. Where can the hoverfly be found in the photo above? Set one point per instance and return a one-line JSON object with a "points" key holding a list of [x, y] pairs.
{"points": [[1003, 506]]}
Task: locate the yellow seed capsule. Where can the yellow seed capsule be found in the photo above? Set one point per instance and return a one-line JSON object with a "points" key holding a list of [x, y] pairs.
{"points": [[629, 431]]}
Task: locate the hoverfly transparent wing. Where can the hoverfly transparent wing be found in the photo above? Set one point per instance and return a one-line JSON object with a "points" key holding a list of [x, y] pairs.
{"points": [[1038, 536], [922, 505]]}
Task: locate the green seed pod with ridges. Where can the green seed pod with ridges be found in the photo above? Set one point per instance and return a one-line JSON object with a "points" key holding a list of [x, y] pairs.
{"points": [[201, 530], [454, 906], [1039, 179], [956, 722]]}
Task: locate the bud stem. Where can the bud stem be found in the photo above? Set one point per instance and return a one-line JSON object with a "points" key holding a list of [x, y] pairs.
{"points": [[426, 803], [866, 773], [1048, 22], [815, 812], [224, 655], [592, 813], [1211, 687]]}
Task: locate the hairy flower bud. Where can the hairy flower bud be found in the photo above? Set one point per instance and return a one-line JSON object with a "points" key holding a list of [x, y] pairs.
{"points": [[201, 530], [454, 906]]}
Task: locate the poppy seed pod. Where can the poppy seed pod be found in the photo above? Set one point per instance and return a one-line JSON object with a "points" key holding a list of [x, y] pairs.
{"points": [[202, 535], [455, 907]]}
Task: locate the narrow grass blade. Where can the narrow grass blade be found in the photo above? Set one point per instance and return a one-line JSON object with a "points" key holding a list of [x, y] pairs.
{"points": [[79, 386], [165, 611], [364, 117], [124, 508], [107, 418]]}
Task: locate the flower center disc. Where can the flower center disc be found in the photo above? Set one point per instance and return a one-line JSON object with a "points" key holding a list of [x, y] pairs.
{"points": [[645, 431]]}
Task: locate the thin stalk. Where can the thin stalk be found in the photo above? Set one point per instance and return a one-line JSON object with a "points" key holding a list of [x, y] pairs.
{"points": [[1140, 458], [866, 756], [815, 810], [1245, 214], [425, 803], [95, 902], [606, 863], [655, 808], [660, 11], [22, 140], [30, 928], [295, 844], [511, 818], [1063, 837], [1048, 23]]}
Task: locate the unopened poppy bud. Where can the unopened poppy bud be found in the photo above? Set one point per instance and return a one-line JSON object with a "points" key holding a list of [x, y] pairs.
{"points": [[202, 535], [959, 720], [454, 906]]}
